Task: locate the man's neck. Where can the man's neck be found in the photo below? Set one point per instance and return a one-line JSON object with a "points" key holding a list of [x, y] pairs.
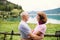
{"points": [[24, 20]]}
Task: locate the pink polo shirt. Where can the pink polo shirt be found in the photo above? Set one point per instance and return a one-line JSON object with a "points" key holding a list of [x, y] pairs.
{"points": [[41, 28]]}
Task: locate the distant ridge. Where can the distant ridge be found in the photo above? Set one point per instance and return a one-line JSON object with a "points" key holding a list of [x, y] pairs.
{"points": [[53, 11]]}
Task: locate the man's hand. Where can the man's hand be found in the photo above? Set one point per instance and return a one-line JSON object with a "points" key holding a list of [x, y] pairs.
{"points": [[36, 37], [32, 31]]}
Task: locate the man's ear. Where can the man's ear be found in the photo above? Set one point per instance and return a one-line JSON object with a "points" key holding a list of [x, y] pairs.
{"points": [[23, 16]]}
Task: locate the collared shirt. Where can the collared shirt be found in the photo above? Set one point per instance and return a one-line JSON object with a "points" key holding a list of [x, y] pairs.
{"points": [[24, 29], [41, 28]]}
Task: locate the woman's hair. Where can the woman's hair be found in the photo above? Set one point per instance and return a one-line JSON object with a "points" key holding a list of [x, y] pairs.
{"points": [[43, 17]]}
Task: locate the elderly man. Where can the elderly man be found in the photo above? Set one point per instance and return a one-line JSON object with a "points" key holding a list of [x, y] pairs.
{"points": [[24, 29]]}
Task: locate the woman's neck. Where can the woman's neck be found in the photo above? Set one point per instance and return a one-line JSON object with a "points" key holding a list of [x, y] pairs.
{"points": [[40, 22]]}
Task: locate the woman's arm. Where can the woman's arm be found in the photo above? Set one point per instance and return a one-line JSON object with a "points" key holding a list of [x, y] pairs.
{"points": [[38, 35], [35, 36]]}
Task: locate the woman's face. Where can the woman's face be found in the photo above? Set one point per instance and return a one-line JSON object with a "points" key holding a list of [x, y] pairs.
{"points": [[38, 18]]}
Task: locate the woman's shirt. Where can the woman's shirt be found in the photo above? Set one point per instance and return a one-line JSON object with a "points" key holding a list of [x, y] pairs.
{"points": [[41, 28]]}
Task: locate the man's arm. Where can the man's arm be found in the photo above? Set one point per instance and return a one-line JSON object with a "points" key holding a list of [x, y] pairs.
{"points": [[28, 32], [33, 36]]}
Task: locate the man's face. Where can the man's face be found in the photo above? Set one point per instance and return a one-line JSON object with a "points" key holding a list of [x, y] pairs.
{"points": [[26, 17]]}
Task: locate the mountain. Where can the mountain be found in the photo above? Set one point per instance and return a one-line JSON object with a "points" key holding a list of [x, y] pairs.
{"points": [[32, 12], [53, 11]]}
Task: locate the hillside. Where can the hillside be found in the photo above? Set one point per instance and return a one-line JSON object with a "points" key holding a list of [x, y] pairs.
{"points": [[53, 11]]}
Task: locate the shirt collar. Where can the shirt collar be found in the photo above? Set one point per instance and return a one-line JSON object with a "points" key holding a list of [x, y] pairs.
{"points": [[23, 21]]}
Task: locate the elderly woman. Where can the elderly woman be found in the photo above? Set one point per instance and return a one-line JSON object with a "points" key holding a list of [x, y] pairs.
{"points": [[41, 27], [39, 31]]}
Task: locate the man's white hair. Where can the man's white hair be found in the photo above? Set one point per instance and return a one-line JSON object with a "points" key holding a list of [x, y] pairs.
{"points": [[23, 13]]}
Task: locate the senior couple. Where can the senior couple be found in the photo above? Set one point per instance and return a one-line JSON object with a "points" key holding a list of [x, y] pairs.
{"points": [[39, 30]]}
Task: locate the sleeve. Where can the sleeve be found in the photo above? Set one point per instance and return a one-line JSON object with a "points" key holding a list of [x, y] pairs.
{"points": [[24, 29], [43, 29]]}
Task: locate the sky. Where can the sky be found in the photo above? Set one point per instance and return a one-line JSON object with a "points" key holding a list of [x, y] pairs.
{"points": [[37, 5]]}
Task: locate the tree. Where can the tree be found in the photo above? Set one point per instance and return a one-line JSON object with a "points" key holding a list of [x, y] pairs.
{"points": [[2, 2], [3, 14], [15, 12], [2, 8], [9, 7]]}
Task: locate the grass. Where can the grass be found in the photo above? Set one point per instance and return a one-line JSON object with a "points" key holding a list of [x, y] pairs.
{"points": [[10, 25]]}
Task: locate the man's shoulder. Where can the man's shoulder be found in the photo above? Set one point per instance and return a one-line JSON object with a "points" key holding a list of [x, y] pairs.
{"points": [[23, 24]]}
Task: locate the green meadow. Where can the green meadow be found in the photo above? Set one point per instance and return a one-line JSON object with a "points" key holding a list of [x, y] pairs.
{"points": [[7, 26]]}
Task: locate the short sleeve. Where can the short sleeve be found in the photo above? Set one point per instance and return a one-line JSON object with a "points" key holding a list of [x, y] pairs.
{"points": [[42, 29], [24, 29]]}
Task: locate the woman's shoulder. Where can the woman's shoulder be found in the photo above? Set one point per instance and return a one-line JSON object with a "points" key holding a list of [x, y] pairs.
{"points": [[43, 25]]}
